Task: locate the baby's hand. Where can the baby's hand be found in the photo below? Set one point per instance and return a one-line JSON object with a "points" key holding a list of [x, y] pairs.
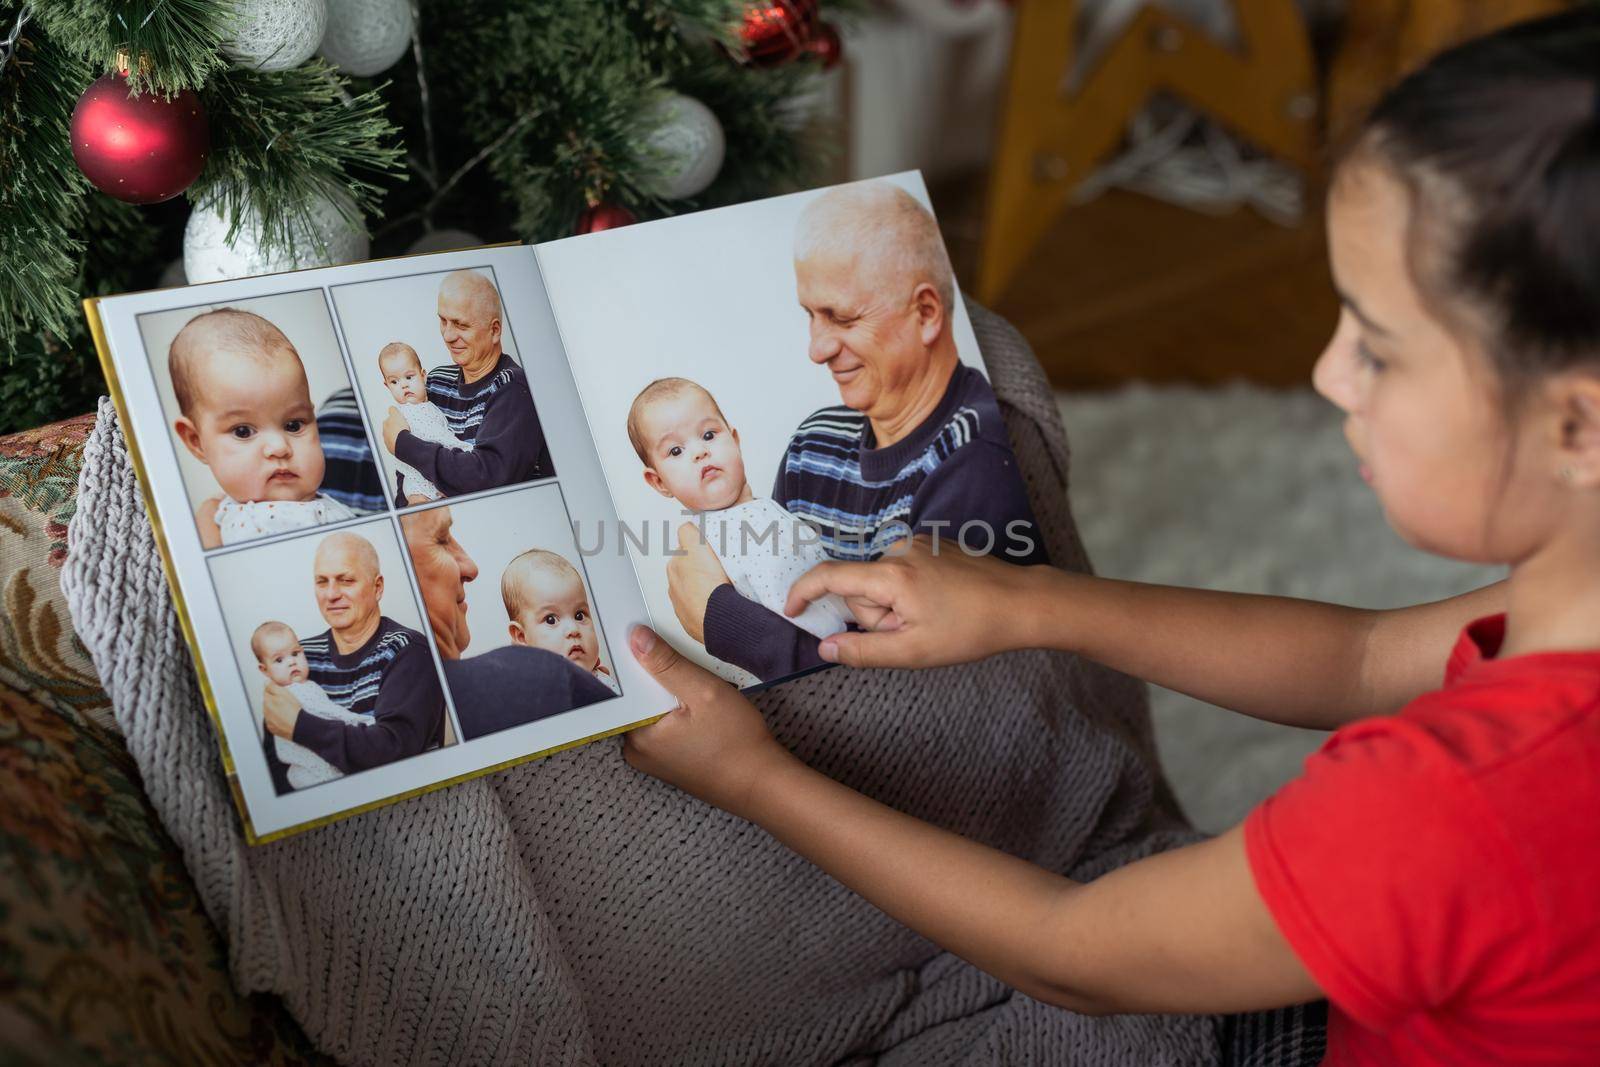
{"points": [[393, 423], [205, 520], [714, 745]]}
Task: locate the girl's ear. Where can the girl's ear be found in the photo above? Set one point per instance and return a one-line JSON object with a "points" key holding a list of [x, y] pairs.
{"points": [[517, 636], [1579, 446]]}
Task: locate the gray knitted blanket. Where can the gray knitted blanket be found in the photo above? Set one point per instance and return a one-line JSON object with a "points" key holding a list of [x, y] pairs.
{"points": [[571, 910]]}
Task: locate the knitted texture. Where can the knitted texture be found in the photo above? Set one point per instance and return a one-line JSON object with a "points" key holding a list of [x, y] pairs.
{"points": [[571, 910]]}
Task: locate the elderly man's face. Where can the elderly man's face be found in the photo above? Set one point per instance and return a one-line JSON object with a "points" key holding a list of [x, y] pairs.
{"points": [[347, 584], [468, 324], [866, 328], [443, 571]]}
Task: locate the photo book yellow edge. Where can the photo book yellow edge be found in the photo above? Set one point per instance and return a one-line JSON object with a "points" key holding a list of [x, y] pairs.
{"points": [[97, 331]]}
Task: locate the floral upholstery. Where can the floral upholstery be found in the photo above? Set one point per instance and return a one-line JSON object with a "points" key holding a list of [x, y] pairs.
{"points": [[106, 956]]}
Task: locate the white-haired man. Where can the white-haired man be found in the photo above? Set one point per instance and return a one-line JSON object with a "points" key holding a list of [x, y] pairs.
{"points": [[485, 398], [367, 663], [918, 444]]}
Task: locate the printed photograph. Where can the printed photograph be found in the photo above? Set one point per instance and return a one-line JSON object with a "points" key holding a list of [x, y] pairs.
{"points": [[329, 639], [796, 384], [451, 406], [507, 596], [262, 416]]}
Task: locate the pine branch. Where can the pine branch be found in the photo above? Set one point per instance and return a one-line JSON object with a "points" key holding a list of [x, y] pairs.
{"points": [[41, 191], [171, 44], [281, 140]]}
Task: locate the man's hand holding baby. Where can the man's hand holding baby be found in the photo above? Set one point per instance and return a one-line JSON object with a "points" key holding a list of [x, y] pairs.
{"points": [[692, 576], [205, 520], [393, 423], [715, 745], [280, 710]]}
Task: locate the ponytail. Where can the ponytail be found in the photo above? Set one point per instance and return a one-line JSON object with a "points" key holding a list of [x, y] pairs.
{"points": [[1498, 141]]}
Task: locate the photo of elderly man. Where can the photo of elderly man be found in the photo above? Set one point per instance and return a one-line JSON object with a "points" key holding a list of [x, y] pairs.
{"points": [[366, 663], [505, 686], [916, 443], [484, 395]]}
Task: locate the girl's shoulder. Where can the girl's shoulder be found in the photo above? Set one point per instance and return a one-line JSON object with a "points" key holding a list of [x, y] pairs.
{"points": [[1533, 711]]}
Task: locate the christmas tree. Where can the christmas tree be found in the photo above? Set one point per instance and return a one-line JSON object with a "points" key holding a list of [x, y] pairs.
{"points": [[307, 132]]}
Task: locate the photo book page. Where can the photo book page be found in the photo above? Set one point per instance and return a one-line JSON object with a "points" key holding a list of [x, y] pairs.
{"points": [[368, 482], [782, 383], [410, 509]]}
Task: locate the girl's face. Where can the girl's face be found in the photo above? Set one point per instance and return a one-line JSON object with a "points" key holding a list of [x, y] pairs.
{"points": [[1422, 405]]}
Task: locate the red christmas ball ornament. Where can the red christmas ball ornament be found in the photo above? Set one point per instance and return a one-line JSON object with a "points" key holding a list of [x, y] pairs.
{"points": [[597, 217], [141, 149], [826, 46], [773, 32]]}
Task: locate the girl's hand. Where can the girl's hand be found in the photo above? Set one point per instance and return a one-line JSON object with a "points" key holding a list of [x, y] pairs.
{"points": [[714, 745], [925, 609]]}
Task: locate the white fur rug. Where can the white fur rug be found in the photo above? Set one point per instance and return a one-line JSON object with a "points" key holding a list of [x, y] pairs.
{"points": [[1247, 489]]}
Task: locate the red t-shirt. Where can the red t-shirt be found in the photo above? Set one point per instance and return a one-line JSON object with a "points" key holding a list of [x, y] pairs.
{"points": [[1438, 871]]}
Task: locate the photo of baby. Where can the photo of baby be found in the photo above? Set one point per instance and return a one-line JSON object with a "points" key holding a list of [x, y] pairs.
{"points": [[282, 659], [450, 401], [338, 671], [248, 405], [691, 455], [407, 384], [512, 612], [548, 607]]}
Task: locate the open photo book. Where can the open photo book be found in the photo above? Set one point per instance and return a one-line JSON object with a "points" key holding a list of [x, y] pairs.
{"points": [[410, 509]]}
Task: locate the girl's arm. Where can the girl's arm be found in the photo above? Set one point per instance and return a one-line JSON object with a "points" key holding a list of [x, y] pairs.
{"points": [[1299, 662], [1180, 932]]}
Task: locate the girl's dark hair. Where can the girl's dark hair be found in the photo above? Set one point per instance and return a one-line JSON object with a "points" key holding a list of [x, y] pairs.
{"points": [[1498, 141]]}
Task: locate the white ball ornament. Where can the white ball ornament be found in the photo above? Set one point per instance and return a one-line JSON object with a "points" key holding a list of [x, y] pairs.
{"points": [[689, 138], [208, 257], [366, 37], [275, 34], [444, 241]]}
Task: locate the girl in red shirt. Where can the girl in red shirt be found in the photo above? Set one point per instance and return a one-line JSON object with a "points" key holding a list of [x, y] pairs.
{"points": [[1435, 872]]}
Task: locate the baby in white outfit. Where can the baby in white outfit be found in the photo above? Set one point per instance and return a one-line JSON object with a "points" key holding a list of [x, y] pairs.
{"points": [[246, 413], [549, 609], [280, 657], [691, 454], [404, 378]]}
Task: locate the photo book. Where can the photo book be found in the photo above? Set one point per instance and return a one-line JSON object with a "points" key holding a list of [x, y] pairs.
{"points": [[410, 509]]}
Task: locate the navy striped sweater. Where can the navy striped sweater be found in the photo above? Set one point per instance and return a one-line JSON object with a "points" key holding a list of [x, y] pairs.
{"points": [[349, 475], [954, 477], [496, 416], [390, 678]]}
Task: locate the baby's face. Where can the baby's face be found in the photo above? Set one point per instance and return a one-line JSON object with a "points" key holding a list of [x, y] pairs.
{"points": [[403, 377], [283, 660], [555, 617], [694, 455], [254, 426]]}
